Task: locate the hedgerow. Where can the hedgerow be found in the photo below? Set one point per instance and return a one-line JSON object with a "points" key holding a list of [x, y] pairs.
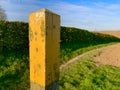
{"points": [[14, 36], [75, 35]]}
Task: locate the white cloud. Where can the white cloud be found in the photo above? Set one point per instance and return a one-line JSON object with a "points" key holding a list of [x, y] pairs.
{"points": [[95, 16]]}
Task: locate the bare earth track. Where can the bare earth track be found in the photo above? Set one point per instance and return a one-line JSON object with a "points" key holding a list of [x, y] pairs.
{"points": [[110, 55]]}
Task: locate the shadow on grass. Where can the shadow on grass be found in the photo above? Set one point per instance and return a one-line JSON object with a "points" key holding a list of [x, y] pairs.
{"points": [[14, 70]]}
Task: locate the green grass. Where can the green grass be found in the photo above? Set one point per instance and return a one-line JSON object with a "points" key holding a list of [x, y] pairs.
{"points": [[14, 71], [85, 75]]}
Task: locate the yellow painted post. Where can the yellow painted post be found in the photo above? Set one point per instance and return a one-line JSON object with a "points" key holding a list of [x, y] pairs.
{"points": [[44, 42]]}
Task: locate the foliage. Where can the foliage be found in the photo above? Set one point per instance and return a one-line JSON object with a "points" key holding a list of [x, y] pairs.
{"points": [[75, 35], [14, 35]]}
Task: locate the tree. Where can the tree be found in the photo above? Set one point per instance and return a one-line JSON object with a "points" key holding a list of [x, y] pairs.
{"points": [[3, 15]]}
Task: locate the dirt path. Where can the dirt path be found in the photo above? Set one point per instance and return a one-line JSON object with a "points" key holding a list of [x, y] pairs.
{"points": [[110, 55]]}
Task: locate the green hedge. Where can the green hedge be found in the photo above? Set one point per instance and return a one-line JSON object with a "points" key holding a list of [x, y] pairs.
{"points": [[14, 36], [74, 35]]}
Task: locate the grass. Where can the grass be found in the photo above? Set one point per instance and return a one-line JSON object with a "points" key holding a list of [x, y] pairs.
{"points": [[14, 71], [84, 74]]}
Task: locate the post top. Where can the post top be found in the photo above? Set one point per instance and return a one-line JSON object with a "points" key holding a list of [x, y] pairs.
{"points": [[45, 10]]}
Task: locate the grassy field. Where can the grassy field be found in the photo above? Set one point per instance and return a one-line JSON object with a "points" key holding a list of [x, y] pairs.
{"points": [[84, 74], [114, 33]]}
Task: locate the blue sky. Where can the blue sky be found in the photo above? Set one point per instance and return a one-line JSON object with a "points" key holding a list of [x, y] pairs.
{"points": [[87, 14]]}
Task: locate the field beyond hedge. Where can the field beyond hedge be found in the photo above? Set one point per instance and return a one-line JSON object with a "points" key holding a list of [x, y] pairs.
{"points": [[14, 46]]}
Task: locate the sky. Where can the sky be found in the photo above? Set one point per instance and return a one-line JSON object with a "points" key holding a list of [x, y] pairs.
{"points": [[93, 15]]}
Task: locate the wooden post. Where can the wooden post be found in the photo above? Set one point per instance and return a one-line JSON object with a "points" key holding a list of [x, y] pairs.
{"points": [[44, 42]]}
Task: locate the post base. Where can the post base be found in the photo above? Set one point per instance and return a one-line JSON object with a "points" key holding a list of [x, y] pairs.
{"points": [[35, 86]]}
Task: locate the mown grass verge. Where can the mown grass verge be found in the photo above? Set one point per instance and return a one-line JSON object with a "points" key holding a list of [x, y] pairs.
{"points": [[84, 74]]}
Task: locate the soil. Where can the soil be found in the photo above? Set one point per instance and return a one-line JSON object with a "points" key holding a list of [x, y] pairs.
{"points": [[110, 55], [114, 33]]}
